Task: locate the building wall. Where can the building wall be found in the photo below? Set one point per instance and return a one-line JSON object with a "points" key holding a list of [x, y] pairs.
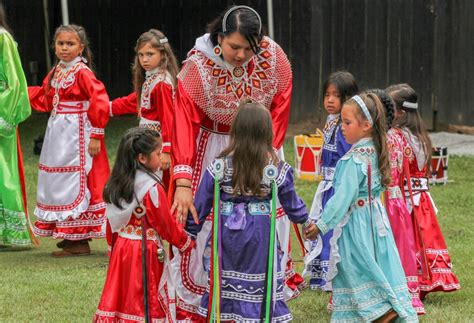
{"points": [[426, 43]]}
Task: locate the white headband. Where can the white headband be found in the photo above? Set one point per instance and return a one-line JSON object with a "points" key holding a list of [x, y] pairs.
{"points": [[224, 20], [410, 105], [364, 109]]}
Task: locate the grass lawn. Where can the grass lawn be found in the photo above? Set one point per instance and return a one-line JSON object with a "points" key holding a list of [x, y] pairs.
{"points": [[38, 288]]}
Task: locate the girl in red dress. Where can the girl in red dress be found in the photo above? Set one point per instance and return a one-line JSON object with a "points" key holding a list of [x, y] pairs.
{"points": [[154, 80], [73, 166], [434, 263], [137, 204]]}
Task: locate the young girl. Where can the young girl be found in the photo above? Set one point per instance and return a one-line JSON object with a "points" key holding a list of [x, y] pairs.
{"points": [[154, 79], [137, 204], [434, 263], [15, 108], [338, 88], [368, 282], [246, 170], [400, 219], [73, 165]]}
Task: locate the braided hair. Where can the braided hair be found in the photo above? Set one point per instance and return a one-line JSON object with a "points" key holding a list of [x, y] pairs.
{"points": [[387, 103]]}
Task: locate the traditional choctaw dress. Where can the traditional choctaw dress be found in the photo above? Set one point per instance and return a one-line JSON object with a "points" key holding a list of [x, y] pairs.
{"points": [[401, 221], [14, 108], [364, 268], [245, 232], [434, 263], [156, 108], [334, 147], [208, 94], [70, 181], [122, 296]]}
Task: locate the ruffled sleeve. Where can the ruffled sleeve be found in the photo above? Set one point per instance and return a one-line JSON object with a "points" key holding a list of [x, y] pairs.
{"points": [[13, 89], [160, 219], [291, 203], [187, 121], [124, 105], [162, 100], [281, 103], [98, 112]]}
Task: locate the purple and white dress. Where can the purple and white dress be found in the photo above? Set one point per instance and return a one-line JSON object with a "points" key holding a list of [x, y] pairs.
{"points": [[245, 232]]}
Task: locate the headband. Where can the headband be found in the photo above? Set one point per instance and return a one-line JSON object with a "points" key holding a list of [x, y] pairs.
{"points": [[224, 20], [364, 109], [410, 105]]}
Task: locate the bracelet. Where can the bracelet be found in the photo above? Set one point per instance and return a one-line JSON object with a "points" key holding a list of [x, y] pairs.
{"points": [[183, 186], [307, 223]]}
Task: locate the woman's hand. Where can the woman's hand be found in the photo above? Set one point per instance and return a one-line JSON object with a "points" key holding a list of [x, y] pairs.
{"points": [[94, 147], [183, 201], [310, 232], [165, 161]]}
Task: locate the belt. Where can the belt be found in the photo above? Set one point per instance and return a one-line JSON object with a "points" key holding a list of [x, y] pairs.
{"points": [[394, 192], [72, 107], [254, 208], [135, 233], [212, 126], [418, 184]]}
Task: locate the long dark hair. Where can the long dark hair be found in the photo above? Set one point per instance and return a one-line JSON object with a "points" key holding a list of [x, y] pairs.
{"points": [[379, 131], [3, 19], [120, 186], [345, 83], [168, 59], [251, 147], [81, 34], [387, 103], [411, 118], [241, 20]]}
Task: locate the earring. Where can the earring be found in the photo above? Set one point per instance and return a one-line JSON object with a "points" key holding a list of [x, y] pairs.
{"points": [[218, 50]]}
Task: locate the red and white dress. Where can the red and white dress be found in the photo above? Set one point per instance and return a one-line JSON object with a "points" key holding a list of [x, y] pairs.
{"points": [[434, 263], [208, 94], [70, 181], [122, 297], [156, 105], [156, 109]]}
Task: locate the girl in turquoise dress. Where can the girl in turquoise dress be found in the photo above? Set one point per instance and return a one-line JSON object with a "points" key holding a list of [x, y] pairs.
{"points": [[365, 269]]}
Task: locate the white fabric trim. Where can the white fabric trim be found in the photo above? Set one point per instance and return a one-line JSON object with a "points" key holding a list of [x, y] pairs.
{"points": [[119, 218]]}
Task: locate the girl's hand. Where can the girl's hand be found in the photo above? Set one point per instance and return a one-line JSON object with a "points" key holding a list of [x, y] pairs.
{"points": [[311, 232], [165, 161], [94, 147], [183, 201]]}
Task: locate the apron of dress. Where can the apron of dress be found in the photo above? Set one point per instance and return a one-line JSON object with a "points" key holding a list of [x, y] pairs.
{"points": [[64, 163]]}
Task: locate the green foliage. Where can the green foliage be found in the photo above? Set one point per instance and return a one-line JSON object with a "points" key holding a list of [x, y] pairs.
{"points": [[38, 288]]}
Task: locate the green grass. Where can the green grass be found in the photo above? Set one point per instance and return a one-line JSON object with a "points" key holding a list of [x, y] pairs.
{"points": [[34, 287]]}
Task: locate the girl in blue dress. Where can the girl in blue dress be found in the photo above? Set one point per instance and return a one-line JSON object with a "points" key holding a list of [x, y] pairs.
{"points": [[245, 171], [339, 87], [367, 277]]}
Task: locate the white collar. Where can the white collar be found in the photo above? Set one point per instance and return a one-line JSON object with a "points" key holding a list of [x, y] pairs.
{"points": [[119, 218], [204, 45], [152, 72], [71, 63]]}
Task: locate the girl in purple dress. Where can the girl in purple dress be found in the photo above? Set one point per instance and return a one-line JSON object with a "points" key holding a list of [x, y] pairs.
{"points": [[246, 171]]}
